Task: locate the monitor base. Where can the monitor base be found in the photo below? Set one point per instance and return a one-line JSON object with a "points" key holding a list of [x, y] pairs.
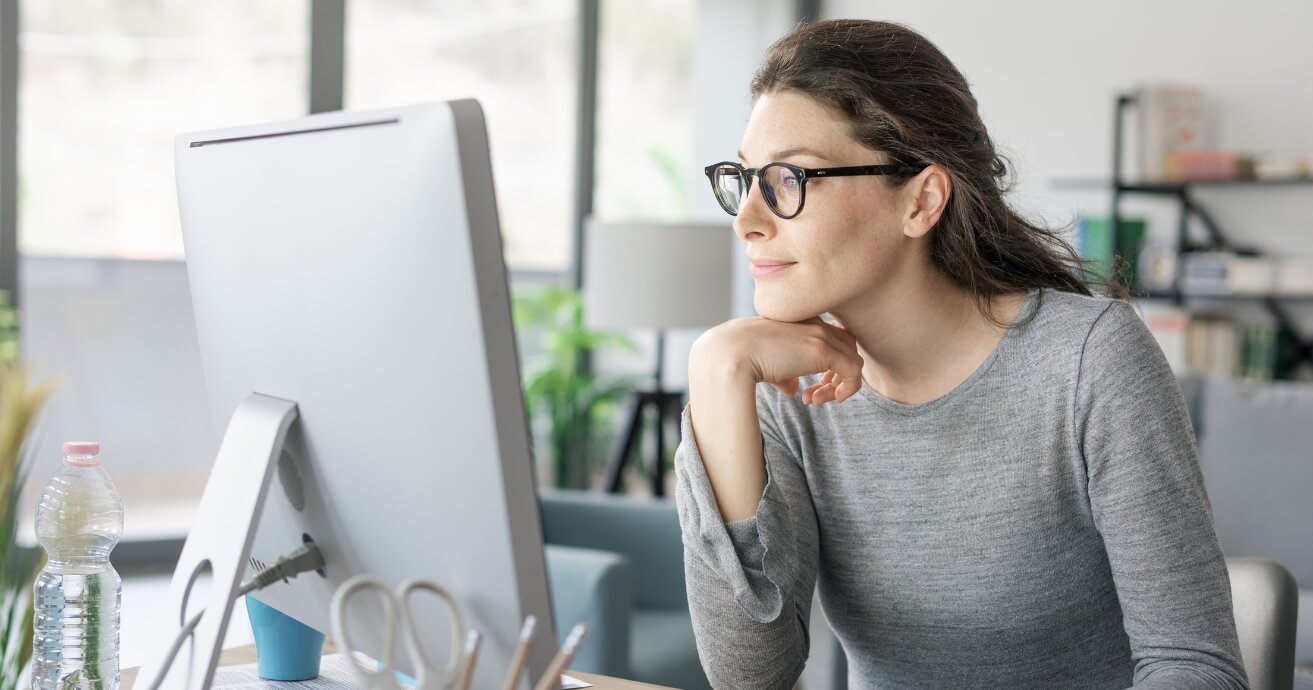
{"points": [[220, 540]]}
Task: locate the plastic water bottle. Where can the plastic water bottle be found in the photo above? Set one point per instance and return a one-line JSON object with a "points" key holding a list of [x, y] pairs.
{"points": [[78, 520]]}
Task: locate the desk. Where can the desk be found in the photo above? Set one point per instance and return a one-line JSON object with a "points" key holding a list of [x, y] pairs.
{"points": [[246, 655]]}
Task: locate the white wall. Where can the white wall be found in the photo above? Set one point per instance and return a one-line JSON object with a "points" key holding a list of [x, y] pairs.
{"points": [[1046, 73]]}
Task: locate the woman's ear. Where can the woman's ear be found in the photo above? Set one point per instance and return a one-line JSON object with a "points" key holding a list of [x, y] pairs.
{"points": [[928, 194]]}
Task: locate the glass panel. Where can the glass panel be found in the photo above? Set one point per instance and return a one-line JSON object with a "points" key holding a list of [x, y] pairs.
{"points": [[519, 58], [105, 87], [645, 112]]}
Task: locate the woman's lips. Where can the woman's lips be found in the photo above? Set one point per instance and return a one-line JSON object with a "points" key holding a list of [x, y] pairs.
{"points": [[763, 268]]}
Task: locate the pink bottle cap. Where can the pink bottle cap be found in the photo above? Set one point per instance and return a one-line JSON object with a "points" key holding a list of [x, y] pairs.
{"points": [[81, 448]]}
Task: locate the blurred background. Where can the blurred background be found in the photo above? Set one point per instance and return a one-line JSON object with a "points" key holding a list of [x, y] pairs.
{"points": [[605, 112]]}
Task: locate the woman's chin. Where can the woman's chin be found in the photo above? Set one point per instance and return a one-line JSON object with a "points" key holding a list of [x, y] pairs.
{"points": [[788, 313]]}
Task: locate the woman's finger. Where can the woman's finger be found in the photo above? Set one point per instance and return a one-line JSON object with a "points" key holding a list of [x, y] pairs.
{"points": [[848, 387], [825, 394], [820, 393]]}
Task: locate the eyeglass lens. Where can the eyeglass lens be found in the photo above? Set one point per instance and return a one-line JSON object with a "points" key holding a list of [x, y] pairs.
{"points": [[729, 188], [780, 187]]}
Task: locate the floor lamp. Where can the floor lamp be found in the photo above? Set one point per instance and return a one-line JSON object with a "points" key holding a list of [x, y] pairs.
{"points": [[655, 276]]}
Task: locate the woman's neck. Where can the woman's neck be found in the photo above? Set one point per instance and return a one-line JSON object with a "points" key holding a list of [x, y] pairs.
{"points": [[922, 340]]}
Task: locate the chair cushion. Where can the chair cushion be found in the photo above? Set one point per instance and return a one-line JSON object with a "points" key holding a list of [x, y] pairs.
{"points": [[664, 651]]}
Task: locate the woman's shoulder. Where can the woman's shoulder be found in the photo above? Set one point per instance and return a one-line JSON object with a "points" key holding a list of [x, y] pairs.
{"points": [[1060, 334], [1074, 309], [1094, 328], [1074, 318]]}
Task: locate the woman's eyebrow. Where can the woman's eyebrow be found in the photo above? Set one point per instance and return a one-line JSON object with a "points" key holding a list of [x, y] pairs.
{"points": [[798, 151]]}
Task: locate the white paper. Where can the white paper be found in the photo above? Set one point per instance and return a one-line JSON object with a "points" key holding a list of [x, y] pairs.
{"points": [[570, 683], [334, 674]]}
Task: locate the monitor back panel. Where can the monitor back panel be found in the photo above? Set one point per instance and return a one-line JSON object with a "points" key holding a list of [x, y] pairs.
{"points": [[352, 263]]}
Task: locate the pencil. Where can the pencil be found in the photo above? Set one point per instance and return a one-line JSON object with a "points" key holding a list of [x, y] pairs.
{"points": [[467, 664], [521, 653], [551, 679]]}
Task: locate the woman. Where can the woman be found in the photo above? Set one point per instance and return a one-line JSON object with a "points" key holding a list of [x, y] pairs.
{"points": [[989, 472]]}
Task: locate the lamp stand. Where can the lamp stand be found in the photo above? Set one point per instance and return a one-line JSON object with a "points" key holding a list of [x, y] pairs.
{"points": [[666, 405]]}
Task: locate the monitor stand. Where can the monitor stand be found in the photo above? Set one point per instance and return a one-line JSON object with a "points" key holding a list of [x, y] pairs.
{"points": [[220, 540]]}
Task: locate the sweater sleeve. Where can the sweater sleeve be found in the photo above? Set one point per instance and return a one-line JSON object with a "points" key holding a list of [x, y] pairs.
{"points": [[750, 582], [1148, 502]]}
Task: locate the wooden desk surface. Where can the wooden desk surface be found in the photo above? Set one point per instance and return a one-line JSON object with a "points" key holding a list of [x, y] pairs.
{"points": [[238, 656]]}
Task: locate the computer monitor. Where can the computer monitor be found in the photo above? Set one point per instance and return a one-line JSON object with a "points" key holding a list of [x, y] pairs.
{"points": [[352, 263]]}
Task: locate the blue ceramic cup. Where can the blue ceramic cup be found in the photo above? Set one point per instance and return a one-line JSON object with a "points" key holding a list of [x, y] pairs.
{"points": [[285, 648]]}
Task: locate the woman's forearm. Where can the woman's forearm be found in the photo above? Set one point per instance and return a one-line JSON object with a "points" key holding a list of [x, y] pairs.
{"points": [[723, 412]]}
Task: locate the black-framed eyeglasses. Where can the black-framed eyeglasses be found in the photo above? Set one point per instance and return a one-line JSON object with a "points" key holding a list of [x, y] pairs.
{"points": [[783, 185]]}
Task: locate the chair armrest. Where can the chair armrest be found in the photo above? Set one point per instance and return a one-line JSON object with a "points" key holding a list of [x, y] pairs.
{"points": [[593, 587], [1304, 633], [644, 530], [1266, 601]]}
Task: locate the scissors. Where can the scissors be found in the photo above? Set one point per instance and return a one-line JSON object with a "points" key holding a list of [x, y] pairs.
{"points": [[397, 610]]}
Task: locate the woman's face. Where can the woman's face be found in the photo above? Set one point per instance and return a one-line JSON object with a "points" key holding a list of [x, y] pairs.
{"points": [[846, 244]]}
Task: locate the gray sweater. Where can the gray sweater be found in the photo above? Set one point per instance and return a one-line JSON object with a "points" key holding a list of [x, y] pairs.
{"points": [[1043, 525]]}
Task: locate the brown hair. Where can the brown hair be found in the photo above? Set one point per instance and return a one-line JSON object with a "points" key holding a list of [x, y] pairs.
{"points": [[905, 98]]}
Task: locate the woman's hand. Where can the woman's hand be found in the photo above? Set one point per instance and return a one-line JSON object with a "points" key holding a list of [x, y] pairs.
{"points": [[778, 353], [724, 368]]}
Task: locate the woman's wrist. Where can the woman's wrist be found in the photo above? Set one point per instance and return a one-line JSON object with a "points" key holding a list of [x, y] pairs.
{"points": [[716, 360]]}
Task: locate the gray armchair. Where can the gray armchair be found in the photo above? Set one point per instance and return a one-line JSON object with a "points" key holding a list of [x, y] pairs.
{"points": [[1256, 452], [618, 563], [1266, 604]]}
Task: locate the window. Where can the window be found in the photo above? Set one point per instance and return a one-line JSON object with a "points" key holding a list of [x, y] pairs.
{"points": [[105, 87], [519, 58], [644, 104]]}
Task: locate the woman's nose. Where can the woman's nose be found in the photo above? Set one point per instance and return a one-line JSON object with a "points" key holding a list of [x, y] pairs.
{"points": [[754, 217]]}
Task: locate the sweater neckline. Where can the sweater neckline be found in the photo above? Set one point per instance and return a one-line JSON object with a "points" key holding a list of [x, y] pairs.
{"points": [[1029, 304]]}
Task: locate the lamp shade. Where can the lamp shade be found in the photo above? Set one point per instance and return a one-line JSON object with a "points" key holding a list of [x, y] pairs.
{"points": [[657, 275]]}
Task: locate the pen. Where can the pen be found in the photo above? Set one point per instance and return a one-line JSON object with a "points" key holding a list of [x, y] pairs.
{"points": [[521, 653], [467, 663], [551, 680]]}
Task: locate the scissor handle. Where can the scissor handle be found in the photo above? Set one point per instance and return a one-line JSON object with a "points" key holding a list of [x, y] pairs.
{"points": [[368, 677], [413, 645]]}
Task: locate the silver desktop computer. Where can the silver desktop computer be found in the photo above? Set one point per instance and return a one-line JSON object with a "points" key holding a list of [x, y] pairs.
{"points": [[355, 330]]}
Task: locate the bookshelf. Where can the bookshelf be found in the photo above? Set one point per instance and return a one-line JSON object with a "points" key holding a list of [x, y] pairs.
{"points": [[1293, 347]]}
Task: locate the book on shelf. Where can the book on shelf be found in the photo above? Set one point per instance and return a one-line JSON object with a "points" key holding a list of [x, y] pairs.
{"points": [[1111, 258], [1227, 273], [1213, 346], [1219, 165], [1172, 118], [1170, 327], [1282, 166], [1204, 165], [1174, 142]]}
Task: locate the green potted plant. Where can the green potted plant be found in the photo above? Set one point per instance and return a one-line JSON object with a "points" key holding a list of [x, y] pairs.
{"points": [[575, 404], [8, 330], [19, 406]]}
